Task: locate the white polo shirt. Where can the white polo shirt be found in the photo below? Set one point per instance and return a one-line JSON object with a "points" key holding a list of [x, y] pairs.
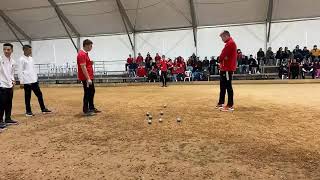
{"points": [[6, 72], [26, 72]]}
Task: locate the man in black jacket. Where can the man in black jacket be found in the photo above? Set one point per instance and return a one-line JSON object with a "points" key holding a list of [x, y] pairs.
{"points": [[269, 56], [307, 68], [305, 53], [261, 57], [279, 56], [294, 69], [286, 54]]}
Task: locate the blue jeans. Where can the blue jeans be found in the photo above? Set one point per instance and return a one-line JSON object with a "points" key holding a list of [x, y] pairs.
{"points": [[174, 77]]}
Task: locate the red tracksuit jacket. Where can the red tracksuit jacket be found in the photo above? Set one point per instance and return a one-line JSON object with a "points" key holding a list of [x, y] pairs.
{"points": [[228, 57]]}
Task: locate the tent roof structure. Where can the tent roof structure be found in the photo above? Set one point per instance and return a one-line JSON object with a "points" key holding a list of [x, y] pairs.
{"points": [[39, 19]]}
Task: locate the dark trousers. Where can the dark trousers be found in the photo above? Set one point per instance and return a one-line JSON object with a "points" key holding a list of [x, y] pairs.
{"points": [[295, 74], [88, 97], [164, 78], [226, 85], [28, 88], [6, 95]]}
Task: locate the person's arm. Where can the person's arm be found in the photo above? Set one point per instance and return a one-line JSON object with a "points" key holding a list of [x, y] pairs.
{"points": [[12, 73], [223, 55], [86, 74], [20, 71]]}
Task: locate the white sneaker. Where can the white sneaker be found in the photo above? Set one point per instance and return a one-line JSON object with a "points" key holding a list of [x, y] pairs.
{"points": [[227, 109], [219, 106]]}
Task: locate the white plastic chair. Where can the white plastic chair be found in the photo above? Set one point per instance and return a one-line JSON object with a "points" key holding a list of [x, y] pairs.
{"points": [[188, 75]]}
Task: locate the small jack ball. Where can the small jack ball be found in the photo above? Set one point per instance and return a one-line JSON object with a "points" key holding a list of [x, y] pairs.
{"points": [[178, 119], [161, 113], [149, 121], [160, 120], [147, 114]]}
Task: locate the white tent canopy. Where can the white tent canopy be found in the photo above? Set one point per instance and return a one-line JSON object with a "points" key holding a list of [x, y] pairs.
{"points": [[38, 19]]}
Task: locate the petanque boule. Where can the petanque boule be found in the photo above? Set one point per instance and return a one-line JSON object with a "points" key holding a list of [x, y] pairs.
{"points": [[178, 119]]}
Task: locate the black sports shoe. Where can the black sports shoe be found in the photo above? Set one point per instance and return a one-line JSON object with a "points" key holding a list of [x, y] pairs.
{"points": [[2, 125], [46, 111], [11, 122], [29, 114], [95, 110]]}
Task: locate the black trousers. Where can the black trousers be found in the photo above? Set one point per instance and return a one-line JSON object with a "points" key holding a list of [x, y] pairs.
{"points": [[226, 85], [88, 97], [6, 95], [28, 88], [294, 74], [164, 77]]}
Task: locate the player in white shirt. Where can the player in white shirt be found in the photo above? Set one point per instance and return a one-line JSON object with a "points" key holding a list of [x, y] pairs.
{"points": [[29, 79], [7, 83]]}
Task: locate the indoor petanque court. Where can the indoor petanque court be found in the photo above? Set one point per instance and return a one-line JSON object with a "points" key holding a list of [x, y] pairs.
{"points": [[159, 90], [272, 134]]}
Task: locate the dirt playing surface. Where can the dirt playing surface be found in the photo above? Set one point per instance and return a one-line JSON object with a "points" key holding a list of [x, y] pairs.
{"points": [[273, 134]]}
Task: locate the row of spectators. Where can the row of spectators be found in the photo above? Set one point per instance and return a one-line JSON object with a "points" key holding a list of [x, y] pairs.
{"points": [[179, 68], [294, 69]]}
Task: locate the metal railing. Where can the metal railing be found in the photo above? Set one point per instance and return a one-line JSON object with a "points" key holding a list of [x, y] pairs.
{"points": [[70, 70]]}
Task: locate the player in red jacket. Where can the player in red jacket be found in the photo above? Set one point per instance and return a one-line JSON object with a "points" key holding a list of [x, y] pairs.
{"points": [[228, 65], [164, 69]]}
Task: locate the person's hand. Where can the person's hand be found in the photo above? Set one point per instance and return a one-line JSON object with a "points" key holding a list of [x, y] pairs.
{"points": [[89, 82], [13, 82]]}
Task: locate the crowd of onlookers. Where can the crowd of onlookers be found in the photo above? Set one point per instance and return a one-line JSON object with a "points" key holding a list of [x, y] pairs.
{"points": [[178, 68], [290, 64], [299, 62]]}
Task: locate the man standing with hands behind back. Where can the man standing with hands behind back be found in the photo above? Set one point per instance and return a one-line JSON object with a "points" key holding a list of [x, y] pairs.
{"points": [[228, 65], [29, 80], [86, 76], [7, 83]]}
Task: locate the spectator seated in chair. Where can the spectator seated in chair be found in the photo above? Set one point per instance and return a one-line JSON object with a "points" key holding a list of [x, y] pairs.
{"points": [[148, 62], [139, 59], [307, 69], [283, 71], [305, 53], [141, 71], [286, 54], [270, 57], [279, 57], [129, 61], [132, 69], [317, 66], [294, 69], [213, 66], [315, 52], [152, 75]]}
